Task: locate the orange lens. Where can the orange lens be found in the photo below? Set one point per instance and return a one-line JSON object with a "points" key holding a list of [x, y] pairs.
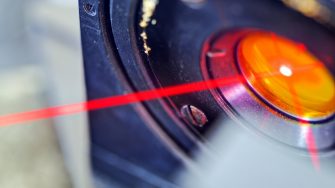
{"points": [[287, 76]]}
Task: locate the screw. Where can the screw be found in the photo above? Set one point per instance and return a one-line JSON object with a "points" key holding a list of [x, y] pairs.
{"points": [[90, 9], [193, 115]]}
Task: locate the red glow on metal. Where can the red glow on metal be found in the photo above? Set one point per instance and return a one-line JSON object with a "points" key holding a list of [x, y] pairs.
{"points": [[309, 139], [312, 149]]}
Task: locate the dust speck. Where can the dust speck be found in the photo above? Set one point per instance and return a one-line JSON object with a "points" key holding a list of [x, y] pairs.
{"points": [[148, 9]]}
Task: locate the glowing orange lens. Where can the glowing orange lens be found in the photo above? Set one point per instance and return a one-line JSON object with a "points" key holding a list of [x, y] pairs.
{"points": [[287, 76]]}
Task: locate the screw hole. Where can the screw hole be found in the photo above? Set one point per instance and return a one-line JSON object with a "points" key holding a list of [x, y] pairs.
{"points": [[90, 9]]}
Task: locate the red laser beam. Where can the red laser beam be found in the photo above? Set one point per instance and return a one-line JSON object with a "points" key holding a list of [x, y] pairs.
{"points": [[115, 101], [309, 139], [312, 149], [151, 95], [126, 99]]}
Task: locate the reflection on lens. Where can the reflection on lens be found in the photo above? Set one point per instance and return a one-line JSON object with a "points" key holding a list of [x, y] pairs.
{"points": [[287, 76]]}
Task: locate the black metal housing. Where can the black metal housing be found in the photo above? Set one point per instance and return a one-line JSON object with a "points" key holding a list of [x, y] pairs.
{"points": [[144, 144]]}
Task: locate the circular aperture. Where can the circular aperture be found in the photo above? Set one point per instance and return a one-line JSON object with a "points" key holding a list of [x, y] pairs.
{"points": [[282, 87]]}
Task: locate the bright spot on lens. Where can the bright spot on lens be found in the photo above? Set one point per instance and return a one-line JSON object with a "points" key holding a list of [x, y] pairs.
{"points": [[287, 76], [286, 71]]}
